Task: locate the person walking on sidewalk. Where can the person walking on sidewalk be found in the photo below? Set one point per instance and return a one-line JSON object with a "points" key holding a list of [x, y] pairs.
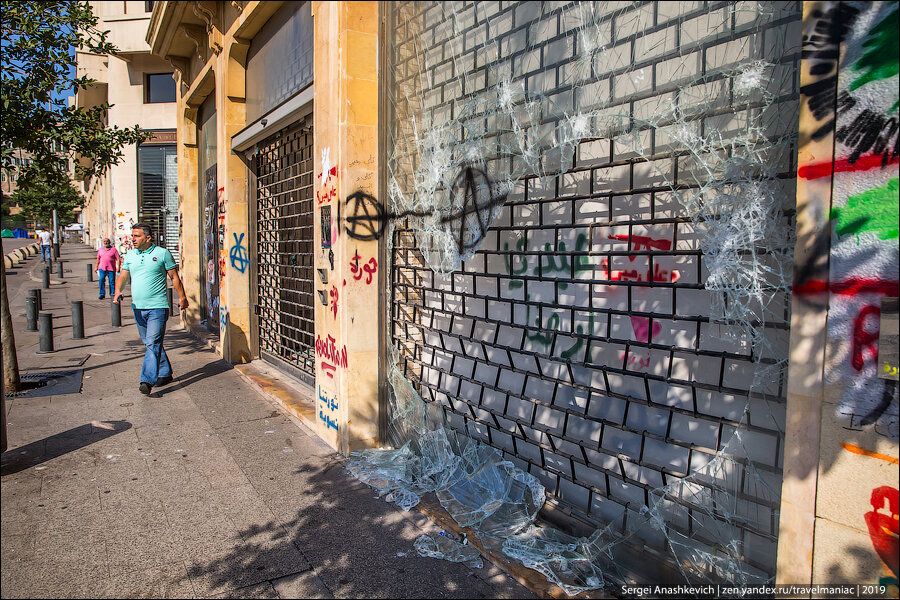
{"points": [[148, 265], [46, 239], [108, 265]]}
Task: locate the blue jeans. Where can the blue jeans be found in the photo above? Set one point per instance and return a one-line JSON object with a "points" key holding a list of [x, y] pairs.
{"points": [[111, 276], [45, 253], [151, 325]]}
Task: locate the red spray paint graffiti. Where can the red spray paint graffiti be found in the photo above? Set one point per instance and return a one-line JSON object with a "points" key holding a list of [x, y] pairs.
{"points": [[368, 268], [327, 179], [865, 340], [883, 528], [333, 293], [641, 243], [849, 287], [332, 357], [863, 163]]}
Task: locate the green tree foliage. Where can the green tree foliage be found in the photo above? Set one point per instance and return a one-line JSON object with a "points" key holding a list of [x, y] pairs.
{"points": [[39, 41], [42, 196]]}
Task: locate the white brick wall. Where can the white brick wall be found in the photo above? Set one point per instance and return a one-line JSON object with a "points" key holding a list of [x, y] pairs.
{"points": [[586, 404]]}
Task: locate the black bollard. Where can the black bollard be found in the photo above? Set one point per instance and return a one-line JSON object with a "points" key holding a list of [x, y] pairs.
{"points": [[90, 272], [60, 263], [47, 277], [45, 332], [170, 297], [31, 313], [116, 314], [77, 320], [36, 292], [55, 250]]}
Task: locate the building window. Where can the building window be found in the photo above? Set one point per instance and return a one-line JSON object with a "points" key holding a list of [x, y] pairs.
{"points": [[148, 6], [160, 87], [157, 198]]}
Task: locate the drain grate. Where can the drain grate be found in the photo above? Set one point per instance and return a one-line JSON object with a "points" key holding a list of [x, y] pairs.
{"points": [[49, 383]]}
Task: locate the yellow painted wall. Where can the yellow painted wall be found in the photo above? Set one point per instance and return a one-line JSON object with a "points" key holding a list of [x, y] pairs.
{"points": [[346, 140]]}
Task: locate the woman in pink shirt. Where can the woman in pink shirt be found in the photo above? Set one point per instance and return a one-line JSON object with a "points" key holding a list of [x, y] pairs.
{"points": [[108, 264]]}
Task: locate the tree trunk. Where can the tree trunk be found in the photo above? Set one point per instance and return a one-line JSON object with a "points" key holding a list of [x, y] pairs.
{"points": [[11, 381]]}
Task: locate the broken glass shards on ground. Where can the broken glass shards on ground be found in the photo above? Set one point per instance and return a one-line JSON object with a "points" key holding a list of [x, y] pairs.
{"points": [[494, 106], [477, 488], [441, 546]]}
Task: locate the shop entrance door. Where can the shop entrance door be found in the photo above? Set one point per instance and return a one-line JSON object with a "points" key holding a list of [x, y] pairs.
{"points": [[284, 217]]}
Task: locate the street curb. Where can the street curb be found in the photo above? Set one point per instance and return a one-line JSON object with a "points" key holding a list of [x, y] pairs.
{"points": [[19, 254], [293, 396]]}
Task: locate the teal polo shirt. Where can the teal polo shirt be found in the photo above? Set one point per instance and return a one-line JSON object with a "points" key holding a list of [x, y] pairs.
{"points": [[148, 276]]}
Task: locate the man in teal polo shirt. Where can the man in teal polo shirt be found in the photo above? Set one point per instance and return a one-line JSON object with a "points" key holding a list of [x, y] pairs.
{"points": [[148, 265]]}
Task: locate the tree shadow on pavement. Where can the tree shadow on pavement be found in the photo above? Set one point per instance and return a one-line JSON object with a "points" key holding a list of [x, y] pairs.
{"points": [[35, 453], [332, 537]]}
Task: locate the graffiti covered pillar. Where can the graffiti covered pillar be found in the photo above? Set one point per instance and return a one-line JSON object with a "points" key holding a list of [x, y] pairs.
{"points": [[188, 207], [346, 120], [840, 500], [233, 226]]}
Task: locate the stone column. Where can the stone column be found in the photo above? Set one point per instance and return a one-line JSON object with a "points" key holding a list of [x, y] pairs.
{"points": [[189, 208], [346, 144], [234, 262]]}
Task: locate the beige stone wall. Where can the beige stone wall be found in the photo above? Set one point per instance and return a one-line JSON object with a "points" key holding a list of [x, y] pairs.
{"points": [[112, 201], [346, 143], [220, 76]]}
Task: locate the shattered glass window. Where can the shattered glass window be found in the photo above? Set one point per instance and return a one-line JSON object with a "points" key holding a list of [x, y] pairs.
{"points": [[590, 216]]}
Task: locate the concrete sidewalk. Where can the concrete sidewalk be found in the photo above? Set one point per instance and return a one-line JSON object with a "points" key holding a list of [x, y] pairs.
{"points": [[204, 489]]}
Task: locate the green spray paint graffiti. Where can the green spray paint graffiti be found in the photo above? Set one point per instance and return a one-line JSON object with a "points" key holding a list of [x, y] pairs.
{"points": [[880, 60], [546, 340], [582, 262], [874, 210]]}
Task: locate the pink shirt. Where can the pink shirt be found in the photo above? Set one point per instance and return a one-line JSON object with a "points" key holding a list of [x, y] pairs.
{"points": [[108, 258]]}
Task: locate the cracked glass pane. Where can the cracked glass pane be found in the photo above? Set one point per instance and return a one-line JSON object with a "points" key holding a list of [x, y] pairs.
{"points": [[590, 221]]}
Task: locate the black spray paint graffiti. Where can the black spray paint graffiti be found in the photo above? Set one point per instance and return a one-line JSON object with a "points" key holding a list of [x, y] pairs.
{"points": [[869, 130], [887, 397], [821, 47], [472, 190]]}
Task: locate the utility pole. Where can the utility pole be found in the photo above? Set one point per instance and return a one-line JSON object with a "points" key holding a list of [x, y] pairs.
{"points": [[55, 239]]}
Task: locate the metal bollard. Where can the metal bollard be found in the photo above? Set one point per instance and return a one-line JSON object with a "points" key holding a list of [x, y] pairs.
{"points": [[77, 320], [116, 314], [170, 297], [60, 263], [46, 277], [45, 328], [31, 313], [36, 292], [55, 250], [90, 272]]}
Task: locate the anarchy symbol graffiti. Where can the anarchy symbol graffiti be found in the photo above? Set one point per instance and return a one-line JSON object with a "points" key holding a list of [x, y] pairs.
{"points": [[240, 258]]}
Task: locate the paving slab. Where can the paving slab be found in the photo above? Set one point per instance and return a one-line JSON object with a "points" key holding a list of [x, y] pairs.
{"points": [[204, 489], [168, 580]]}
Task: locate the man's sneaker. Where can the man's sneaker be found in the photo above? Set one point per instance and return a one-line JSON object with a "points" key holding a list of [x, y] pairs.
{"points": [[164, 380], [144, 388], [102, 297]]}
